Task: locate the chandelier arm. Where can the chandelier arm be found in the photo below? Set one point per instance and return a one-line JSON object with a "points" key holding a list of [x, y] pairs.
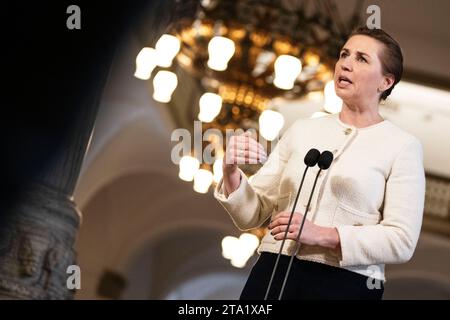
{"points": [[356, 18], [321, 6], [302, 5], [333, 13], [318, 5]]}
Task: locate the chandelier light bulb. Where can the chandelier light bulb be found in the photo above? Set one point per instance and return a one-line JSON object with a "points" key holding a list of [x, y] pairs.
{"points": [[188, 167], [229, 246], [239, 250], [210, 105], [270, 124], [145, 63], [164, 84], [202, 180], [239, 259], [167, 48], [287, 69], [249, 243], [220, 51], [333, 104], [217, 170]]}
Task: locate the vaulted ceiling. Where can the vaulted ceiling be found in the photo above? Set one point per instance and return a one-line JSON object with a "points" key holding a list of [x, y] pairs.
{"points": [[129, 191]]}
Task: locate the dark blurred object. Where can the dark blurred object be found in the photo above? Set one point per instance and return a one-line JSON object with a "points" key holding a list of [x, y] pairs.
{"points": [[111, 285], [53, 81], [52, 77]]}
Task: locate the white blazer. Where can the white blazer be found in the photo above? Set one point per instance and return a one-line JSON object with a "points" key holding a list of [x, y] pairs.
{"points": [[373, 192]]}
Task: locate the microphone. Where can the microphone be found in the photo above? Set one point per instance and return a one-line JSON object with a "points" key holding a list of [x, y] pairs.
{"points": [[324, 163], [311, 159]]}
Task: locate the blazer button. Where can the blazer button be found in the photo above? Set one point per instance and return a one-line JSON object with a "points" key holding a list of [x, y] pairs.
{"points": [[348, 131]]}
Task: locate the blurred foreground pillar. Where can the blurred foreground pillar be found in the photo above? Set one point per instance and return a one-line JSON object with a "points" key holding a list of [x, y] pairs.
{"points": [[37, 244]]}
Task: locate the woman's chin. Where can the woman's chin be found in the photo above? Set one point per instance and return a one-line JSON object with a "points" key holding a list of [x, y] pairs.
{"points": [[344, 94]]}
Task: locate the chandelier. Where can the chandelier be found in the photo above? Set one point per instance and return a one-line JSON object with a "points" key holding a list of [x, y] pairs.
{"points": [[244, 54]]}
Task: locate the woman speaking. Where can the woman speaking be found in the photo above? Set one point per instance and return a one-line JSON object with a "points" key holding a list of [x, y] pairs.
{"points": [[367, 208]]}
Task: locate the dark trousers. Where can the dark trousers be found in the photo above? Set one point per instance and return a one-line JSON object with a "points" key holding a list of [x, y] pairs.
{"points": [[307, 280]]}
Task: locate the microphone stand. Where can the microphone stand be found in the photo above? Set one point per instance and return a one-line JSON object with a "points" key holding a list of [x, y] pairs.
{"points": [[285, 233], [324, 162], [297, 247]]}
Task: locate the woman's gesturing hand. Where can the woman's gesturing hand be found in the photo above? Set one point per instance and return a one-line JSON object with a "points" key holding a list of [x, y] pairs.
{"points": [[240, 149], [312, 234], [243, 149]]}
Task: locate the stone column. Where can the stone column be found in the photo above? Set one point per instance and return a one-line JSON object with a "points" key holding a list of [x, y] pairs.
{"points": [[39, 232], [55, 77]]}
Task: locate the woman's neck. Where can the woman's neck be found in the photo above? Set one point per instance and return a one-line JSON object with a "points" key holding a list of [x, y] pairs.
{"points": [[360, 117]]}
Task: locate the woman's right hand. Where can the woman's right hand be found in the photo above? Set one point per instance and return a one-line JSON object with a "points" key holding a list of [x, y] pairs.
{"points": [[241, 149]]}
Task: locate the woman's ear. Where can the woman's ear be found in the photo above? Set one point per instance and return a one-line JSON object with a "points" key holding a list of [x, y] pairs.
{"points": [[388, 81]]}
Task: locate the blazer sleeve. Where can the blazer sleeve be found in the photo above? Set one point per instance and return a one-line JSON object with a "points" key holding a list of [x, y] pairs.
{"points": [[394, 239], [250, 205]]}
